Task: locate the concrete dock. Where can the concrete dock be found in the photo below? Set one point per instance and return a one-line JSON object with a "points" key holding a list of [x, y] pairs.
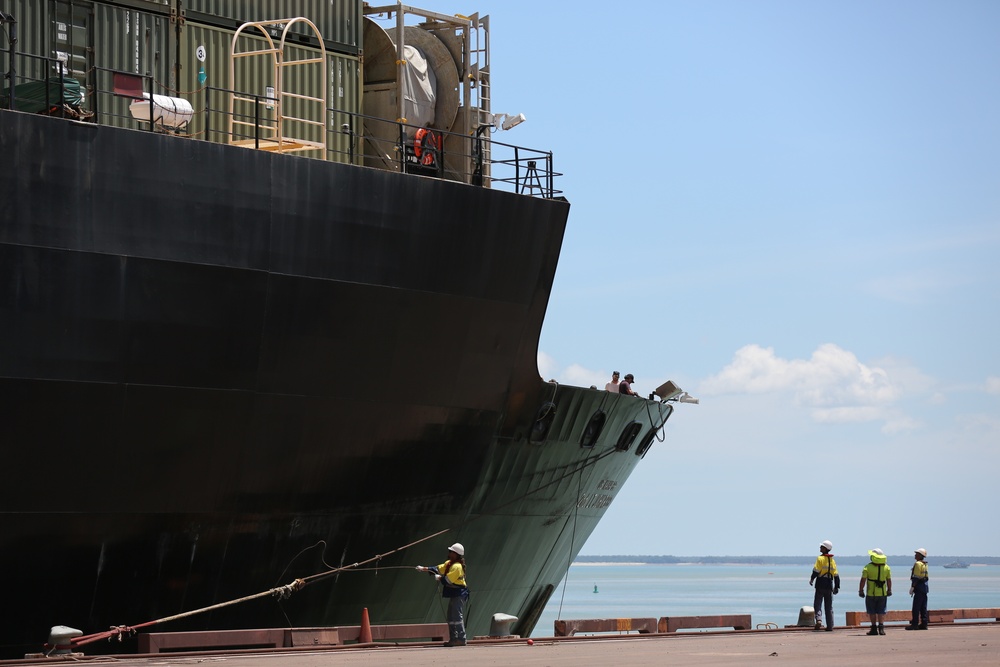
{"points": [[950, 644]]}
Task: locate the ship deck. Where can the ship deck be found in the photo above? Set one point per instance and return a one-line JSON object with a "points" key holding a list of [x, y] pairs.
{"points": [[970, 644]]}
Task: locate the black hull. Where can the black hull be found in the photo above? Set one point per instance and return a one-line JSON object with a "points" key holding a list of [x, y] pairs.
{"points": [[224, 369]]}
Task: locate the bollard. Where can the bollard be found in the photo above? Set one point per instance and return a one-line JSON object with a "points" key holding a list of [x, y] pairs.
{"points": [[807, 617], [500, 625], [60, 639]]}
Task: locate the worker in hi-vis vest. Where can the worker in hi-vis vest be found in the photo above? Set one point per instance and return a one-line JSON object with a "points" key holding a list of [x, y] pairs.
{"points": [[876, 587]]}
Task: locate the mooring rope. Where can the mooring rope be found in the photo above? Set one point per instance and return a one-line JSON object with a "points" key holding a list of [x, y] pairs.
{"points": [[286, 591]]}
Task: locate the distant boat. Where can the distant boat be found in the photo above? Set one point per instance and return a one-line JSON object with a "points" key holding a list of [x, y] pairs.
{"points": [[956, 564]]}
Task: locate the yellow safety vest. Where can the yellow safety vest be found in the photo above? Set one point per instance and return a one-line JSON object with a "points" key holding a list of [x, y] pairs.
{"points": [[825, 566], [455, 574], [877, 574]]}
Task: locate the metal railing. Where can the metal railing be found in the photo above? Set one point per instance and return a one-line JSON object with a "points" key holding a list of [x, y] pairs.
{"points": [[352, 138]]}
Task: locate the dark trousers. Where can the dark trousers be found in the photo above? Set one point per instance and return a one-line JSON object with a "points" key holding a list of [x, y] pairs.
{"points": [[456, 623], [820, 597], [919, 615]]}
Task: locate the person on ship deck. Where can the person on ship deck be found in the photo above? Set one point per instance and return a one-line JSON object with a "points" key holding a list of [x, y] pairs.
{"points": [[625, 386]]}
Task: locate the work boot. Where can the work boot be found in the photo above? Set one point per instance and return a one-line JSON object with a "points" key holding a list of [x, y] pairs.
{"points": [[819, 626], [911, 626], [881, 629], [873, 631], [455, 642], [922, 626], [830, 629]]}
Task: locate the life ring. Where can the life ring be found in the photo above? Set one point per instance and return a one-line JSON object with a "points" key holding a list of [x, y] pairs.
{"points": [[426, 145]]}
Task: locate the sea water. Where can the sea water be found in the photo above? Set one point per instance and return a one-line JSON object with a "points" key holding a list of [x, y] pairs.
{"points": [[769, 593]]}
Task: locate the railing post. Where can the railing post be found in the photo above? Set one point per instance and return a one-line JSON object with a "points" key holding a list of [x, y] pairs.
{"points": [[208, 114], [517, 170], [152, 106], [11, 50], [62, 93], [256, 122], [550, 179], [402, 146]]}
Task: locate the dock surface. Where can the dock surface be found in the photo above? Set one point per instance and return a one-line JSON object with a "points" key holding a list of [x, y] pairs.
{"points": [[964, 644]]}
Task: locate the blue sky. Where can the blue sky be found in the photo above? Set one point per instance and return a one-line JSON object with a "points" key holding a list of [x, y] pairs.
{"points": [[792, 209]]}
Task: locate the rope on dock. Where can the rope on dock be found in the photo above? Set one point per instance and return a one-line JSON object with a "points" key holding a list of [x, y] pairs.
{"points": [[119, 632]]}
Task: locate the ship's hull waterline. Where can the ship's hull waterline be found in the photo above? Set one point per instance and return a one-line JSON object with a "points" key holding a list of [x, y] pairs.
{"points": [[224, 369]]}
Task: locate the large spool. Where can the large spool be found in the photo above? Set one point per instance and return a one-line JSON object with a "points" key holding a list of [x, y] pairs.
{"points": [[381, 96]]}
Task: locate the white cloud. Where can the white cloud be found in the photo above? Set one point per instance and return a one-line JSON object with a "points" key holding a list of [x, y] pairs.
{"points": [[574, 374], [901, 423], [832, 383], [579, 376], [547, 366], [993, 385]]}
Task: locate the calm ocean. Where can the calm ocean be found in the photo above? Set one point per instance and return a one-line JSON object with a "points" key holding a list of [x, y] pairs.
{"points": [[769, 593]]}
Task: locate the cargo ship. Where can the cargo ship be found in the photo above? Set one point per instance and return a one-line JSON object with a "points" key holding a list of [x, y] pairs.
{"points": [[270, 300]]}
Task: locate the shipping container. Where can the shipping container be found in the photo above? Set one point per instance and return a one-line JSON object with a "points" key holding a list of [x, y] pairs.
{"points": [[339, 21], [125, 40], [87, 40], [206, 54], [35, 33]]}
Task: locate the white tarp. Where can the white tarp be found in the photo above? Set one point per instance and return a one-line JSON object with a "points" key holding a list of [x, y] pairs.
{"points": [[172, 112], [419, 89]]}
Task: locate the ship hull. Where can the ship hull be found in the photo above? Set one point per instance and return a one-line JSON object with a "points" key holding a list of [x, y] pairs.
{"points": [[223, 370]]}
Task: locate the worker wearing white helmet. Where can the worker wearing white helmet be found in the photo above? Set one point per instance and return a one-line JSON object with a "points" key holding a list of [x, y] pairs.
{"points": [[827, 584], [919, 590], [451, 574]]}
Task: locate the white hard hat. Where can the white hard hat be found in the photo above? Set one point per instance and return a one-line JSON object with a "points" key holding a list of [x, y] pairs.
{"points": [[921, 551], [877, 552], [457, 548], [828, 544]]}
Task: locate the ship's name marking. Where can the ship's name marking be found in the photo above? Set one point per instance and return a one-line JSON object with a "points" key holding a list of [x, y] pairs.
{"points": [[595, 500]]}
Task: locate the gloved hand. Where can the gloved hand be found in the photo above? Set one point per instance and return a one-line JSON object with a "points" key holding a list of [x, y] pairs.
{"points": [[836, 590], [810, 582], [911, 591], [861, 594], [889, 594], [437, 577], [421, 568]]}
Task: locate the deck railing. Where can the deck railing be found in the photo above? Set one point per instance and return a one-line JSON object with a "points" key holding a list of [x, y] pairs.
{"points": [[352, 138]]}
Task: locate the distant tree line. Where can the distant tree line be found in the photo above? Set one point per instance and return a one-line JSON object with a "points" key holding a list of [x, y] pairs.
{"points": [[779, 560]]}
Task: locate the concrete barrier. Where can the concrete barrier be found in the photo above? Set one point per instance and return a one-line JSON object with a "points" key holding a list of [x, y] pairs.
{"points": [[675, 623], [388, 633], [857, 618], [982, 612], [158, 642], [568, 628]]}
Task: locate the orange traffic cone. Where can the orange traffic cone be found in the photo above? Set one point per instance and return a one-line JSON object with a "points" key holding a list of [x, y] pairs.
{"points": [[366, 628]]}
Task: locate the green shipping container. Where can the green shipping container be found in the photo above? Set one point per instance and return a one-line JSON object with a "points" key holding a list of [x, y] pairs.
{"points": [[205, 53], [339, 21]]}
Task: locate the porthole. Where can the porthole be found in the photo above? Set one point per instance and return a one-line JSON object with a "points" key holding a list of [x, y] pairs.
{"points": [[543, 422], [628, 436], [592, 431], [645, 443]]}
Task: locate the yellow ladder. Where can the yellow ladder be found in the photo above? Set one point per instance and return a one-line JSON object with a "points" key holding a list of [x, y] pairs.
{"points": [[273, 132]]}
